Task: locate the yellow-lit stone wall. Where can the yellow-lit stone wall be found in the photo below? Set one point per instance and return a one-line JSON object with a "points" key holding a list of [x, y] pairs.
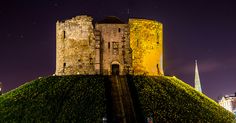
{"points": [[75, 46], [146, 41]]}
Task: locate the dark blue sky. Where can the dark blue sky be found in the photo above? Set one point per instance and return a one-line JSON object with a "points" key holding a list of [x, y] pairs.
{"points": [[193, 29]]}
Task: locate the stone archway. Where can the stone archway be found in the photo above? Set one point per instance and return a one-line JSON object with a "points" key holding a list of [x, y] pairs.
{"points": [[115, 69]]}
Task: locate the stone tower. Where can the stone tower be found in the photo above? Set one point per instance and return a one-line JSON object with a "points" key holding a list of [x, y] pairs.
{"points": [[75, 46], [112, 47], [116, 56], [146, 41]]}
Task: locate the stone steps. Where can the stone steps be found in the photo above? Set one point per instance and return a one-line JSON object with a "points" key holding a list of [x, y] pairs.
{"points": [[122, 104]]}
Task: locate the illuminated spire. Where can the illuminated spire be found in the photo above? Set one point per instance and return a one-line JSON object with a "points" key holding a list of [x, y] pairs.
{"points": [[197, 79]]}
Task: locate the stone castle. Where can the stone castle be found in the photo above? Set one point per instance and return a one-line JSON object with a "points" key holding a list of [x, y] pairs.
{"points": [[109, 47]]}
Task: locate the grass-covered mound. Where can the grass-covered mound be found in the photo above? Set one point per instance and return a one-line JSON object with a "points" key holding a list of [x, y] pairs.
{"points": [[83, 99], [168, 99], [56, 99]]}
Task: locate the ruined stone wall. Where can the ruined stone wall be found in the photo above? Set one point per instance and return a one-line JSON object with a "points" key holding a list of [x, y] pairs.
{"points": [[75, 52], [146, 41], [136, 47], [115, 47]]}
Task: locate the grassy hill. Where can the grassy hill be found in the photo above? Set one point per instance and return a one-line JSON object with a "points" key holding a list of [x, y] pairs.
{"points": [[56, 99], [83, 99], [168, 99]]}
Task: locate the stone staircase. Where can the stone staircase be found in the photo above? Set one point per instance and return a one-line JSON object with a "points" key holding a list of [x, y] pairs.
{"points": [[122, 104]]}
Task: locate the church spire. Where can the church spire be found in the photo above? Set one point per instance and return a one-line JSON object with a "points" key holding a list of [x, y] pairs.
{"points": [[197, 79]]}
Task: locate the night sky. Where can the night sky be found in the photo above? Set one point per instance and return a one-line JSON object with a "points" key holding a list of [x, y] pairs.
{"points": [[193, 29]]}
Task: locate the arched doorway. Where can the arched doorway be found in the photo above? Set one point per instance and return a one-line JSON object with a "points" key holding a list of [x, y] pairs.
{"points": [[115, 69]]}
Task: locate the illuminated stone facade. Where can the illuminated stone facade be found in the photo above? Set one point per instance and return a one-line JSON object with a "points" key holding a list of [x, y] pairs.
{"points": [[108, 47], [115, 47], [75, 46], [146, 41], [229, 103]]}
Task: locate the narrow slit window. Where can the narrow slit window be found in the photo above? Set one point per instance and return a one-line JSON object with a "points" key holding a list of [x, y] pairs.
{"points": [[123, 52], [90, 59], [64, 65], [64, 34], [108, 45], [119, 30]]}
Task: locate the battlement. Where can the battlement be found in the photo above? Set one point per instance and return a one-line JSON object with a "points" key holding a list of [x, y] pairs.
{"points": [[77, 19]]}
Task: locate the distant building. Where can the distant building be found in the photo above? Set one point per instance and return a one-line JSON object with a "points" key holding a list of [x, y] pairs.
{"points": [[0, 88], [197, 79], [109, 47], [229, 103]]}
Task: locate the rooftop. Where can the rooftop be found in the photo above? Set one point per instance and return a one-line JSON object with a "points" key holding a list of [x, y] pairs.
{"points": [[111, 20]]}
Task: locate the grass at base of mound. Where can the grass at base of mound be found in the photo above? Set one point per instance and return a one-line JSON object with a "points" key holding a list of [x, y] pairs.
{"points": [[168, 99], [56, 99]]}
